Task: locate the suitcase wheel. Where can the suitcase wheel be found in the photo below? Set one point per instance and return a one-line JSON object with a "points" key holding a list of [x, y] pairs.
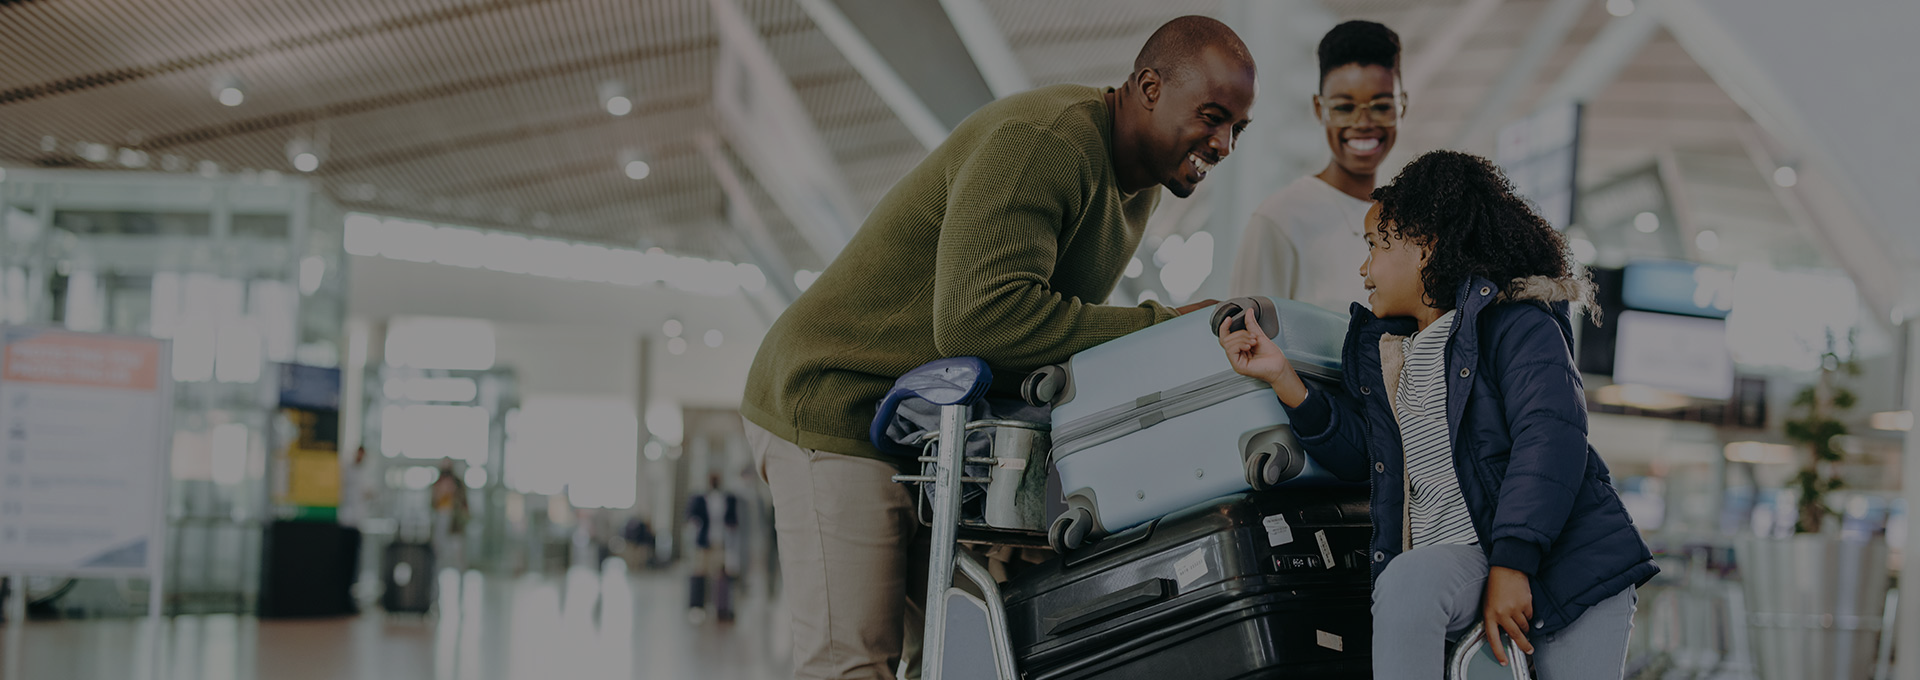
{"points": [[1272, 464], [1069, 530]]}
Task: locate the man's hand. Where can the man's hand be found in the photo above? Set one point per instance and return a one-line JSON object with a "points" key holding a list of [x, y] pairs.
{"points": [[1508, 607], [1197, 306]]}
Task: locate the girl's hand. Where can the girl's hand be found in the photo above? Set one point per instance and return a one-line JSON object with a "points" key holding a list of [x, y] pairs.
{"points": [[1508, 607], [1254, 354]]}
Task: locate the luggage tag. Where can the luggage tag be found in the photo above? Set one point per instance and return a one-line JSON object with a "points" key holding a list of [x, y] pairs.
{"points": [[1278, 532], [1190, 568]]}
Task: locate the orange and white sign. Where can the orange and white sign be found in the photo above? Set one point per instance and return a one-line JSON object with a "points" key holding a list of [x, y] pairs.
{"points": [[83, 359], [84, 430]]}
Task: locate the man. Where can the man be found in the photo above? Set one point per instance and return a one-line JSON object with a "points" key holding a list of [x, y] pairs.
{"points": [[712, 519], [1001, 244]]}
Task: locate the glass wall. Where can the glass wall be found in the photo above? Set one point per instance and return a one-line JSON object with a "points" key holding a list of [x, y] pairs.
{"points": [[239, 273]]}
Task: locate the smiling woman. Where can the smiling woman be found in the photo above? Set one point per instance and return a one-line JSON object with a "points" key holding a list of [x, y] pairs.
{"points": [[1304, 241]]}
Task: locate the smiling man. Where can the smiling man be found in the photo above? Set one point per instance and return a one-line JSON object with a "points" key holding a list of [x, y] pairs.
{"points": [[1002, 244]]}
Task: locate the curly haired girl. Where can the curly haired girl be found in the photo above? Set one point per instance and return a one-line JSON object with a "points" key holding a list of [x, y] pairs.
{"points": [[1463, 408]]}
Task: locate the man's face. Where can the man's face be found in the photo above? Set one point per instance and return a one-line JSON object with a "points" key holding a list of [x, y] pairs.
{"points": [[1196, 119]]}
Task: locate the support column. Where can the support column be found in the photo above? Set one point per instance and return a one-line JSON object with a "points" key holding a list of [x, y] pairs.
{"points": [[1907, 631]]}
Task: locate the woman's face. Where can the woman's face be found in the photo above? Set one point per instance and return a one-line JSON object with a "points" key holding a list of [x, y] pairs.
{"points": [[1392, 271], [1352, 91]]}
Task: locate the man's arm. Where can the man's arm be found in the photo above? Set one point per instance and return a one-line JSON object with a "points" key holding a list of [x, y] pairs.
{"points": [[997, 250]]}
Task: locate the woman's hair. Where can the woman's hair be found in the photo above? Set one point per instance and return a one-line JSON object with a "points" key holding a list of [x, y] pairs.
{"points": [[1464, 211], [1359, 42]]}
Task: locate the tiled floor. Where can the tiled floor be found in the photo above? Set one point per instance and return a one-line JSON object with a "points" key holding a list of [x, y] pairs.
{"points": [[604, 626]]}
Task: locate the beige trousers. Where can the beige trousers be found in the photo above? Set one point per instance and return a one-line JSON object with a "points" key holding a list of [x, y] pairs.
{"points": [[852, 557]]}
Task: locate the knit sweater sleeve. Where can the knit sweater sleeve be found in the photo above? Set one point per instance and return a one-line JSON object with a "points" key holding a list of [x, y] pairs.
{"points": [[999, 246]]}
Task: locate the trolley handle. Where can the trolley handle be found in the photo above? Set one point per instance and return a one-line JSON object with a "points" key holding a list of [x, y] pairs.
{"points": [[955, 381]]}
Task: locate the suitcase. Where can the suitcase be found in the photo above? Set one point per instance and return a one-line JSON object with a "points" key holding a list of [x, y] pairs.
{"points": [[1157, 420], [1259, 584], [407, 577]]}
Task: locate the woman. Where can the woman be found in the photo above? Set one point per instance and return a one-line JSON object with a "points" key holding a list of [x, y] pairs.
{"points": [[1463, 407], [1302, 237]]}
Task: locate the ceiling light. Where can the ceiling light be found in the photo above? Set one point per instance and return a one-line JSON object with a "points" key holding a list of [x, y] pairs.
{"points": [[1646, 222], [229, 90], [713, 338], [804, 279], [1707, 241], [672, 328], [677, 346], [1786, 176], [1583, 250], [1760, 453], [1135, 268], [303, 155], [1619, 8], [1892, 421], [613, 95], [635, 164]]}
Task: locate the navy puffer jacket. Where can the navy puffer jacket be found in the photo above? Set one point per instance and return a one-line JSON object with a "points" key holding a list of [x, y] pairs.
{"points": [[1541, 499]]}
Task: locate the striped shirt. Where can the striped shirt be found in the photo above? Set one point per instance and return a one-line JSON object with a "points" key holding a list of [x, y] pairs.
{"points": [[1438, 512]]}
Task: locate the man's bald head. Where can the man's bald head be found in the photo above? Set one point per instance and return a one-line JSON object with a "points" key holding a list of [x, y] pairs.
{"points": [[1175, 49]]}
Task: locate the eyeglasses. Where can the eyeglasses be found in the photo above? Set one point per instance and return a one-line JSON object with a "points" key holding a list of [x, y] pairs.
{"points": [[1383, 111]]}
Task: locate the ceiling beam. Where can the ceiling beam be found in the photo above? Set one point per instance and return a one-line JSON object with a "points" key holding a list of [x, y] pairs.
{"points": [[763, 119], [758, 239], [879, 73], [1601, 60], [1548, 33], [987, 44], [1447, 42]]}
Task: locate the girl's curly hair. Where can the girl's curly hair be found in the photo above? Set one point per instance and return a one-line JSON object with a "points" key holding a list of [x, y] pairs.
{"points": [[1465, 212]]}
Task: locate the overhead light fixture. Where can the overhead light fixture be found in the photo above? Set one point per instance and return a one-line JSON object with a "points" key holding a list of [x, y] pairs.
{"points": [[613, 95], [228, 90], [672, 328], [1760, 453], [1646, 223], [1786, 176], [713, 338], [677, 346], [303, 155], [1619, 8], [1707, 240], [635, 164], [1891, 421]]}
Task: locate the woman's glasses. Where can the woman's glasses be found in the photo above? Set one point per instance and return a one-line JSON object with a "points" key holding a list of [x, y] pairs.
{"points": [[1343, 112]]}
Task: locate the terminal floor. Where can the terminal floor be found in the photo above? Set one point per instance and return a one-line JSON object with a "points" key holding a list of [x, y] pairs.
{"points": [[605, 626]]}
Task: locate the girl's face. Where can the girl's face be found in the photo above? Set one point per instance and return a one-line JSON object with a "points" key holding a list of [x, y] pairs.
{"points": [[1392, 271]]}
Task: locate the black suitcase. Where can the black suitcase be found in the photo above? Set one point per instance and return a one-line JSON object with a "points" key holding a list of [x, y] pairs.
{"points": [[407, 577], [1268, 584]]}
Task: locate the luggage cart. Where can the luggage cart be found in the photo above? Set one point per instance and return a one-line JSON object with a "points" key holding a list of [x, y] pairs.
{"points": [[966, 634]]}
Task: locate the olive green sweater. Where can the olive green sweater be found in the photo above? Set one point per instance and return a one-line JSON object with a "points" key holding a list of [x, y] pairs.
{"points": [[1000, 245]]}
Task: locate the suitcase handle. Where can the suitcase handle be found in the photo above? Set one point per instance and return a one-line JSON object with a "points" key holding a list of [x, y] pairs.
{"points": [[1262, 309], [1113, 604]]}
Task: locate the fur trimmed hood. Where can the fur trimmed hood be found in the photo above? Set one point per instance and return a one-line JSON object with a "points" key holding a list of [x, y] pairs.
{"points": [[1572, 289]]}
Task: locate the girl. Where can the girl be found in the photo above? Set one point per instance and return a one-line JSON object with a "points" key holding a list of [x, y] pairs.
{"points": [[1463, 408]]}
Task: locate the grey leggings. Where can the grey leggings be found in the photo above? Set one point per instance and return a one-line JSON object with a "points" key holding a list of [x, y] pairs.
{"points": [[1432, 594]]}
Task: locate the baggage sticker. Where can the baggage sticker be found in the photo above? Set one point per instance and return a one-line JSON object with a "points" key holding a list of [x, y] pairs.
{"points": [[1278, 533], [1326, 551], [1190, 568], [1329, 641]]}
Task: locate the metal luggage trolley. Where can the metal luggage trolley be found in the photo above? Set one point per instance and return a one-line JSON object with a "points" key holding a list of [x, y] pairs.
{"points": [[966, 628]]}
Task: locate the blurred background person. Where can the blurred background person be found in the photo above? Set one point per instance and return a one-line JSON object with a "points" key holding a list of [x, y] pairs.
{"points": [[450, 515], [1303, 240], [712, 519]]}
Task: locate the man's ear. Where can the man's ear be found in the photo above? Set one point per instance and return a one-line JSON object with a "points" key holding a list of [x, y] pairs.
{"points": [[1150, 85]]}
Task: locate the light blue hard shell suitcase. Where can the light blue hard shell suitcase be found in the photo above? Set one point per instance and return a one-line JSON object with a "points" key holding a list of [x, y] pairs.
{"points": [[1156, 421]]}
